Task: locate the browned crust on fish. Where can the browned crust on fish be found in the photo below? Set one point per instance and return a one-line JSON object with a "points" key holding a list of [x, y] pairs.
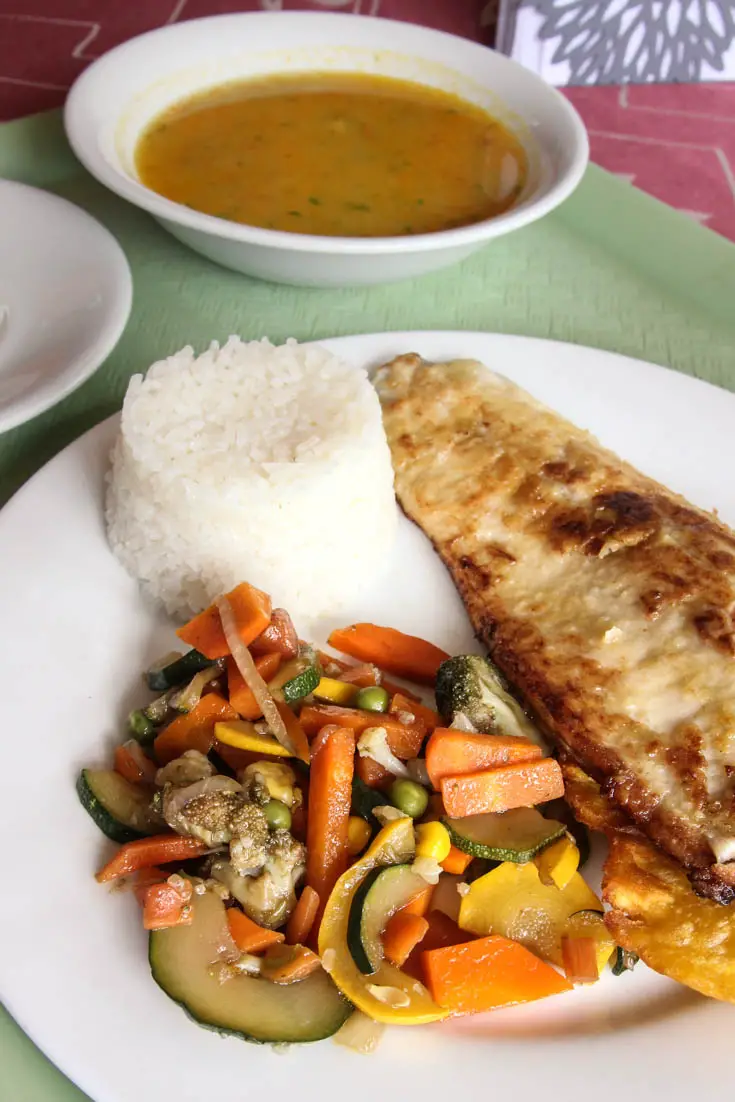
{"points": [[507, 490]]}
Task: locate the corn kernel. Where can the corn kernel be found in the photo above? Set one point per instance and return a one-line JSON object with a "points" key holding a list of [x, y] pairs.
{"points": [[334, 691], [358, 835], [432, 840]]}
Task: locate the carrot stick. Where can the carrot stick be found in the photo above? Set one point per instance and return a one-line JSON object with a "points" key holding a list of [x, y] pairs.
{"points": [[488, 973], [404, 739], [373, 773], [194, 731], [247, 935], [521, 785], [241, 695], [420, 904], [451, 753], [579, 956], [133, 767], [330, 796], [401, 936], [278, 638], [159, 849], [301, 922], [289, 963], [391, 650], [456, 862], [252, 611], [295, 731], [403, 703], [167, 905]]}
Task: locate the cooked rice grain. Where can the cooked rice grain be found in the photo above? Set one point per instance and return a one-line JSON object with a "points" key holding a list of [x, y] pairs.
{"points": [[252, 462]]}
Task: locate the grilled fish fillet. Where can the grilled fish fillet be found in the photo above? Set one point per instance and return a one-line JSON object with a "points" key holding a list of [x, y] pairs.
{"points": [[606, 599]]}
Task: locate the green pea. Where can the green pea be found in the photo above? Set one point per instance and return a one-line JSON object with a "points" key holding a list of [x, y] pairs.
{"points": [[278, 815], [409, 797], [372, 699]]}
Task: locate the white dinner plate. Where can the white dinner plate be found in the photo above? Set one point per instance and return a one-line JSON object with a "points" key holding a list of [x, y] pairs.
{"points": [[73, 966], [65, 296]]}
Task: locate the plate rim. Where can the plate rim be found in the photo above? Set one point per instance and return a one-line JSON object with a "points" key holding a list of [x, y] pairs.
{"points": [[19, 412], [335, 344]]}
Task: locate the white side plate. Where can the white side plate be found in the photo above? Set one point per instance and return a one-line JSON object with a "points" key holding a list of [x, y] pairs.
{"points": [[73, 966], [65, 296]]}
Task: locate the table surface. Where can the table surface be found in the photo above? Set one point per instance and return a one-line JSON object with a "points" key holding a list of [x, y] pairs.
{"points": [[677, 142]]}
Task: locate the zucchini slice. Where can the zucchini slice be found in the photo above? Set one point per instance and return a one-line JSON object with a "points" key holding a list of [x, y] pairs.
{"points": [[516, 835], [177, 672], [379, 896], [120, 809], [248, 1007]]}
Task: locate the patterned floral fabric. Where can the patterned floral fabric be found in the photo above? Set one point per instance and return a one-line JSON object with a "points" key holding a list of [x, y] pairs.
{"points": [[624, 41]]}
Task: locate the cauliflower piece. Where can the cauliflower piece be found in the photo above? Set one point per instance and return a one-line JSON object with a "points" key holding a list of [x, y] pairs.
{"points": [[373, 743], [249, 838], [191, 767], [269, 897], [270, 780], [203, 809]]}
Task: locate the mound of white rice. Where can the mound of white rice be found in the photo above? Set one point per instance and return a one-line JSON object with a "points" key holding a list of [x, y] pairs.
{"points": [[252, 463]]}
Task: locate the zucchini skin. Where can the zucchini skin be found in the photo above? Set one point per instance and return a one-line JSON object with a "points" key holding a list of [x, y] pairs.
{"points": [[177, 672], [108, 824]]}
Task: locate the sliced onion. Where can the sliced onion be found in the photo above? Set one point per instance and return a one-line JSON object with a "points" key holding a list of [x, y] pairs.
{"points": [[387, 813], [390, 996], [428, 869], [360, 1033], [188, 697], [251, 677], [419, 772]]}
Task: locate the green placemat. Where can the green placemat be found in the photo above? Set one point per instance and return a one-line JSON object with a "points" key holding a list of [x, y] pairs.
{"points": [[612, 268]]}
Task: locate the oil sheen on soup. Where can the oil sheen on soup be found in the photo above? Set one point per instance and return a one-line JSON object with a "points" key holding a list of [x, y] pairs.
{"points": [[341, 154]]}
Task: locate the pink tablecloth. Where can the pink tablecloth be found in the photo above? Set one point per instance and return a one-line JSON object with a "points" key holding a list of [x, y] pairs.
{"points": [[676, 142]]}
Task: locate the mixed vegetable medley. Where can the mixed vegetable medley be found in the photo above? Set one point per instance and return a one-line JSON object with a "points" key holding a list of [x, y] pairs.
{"points": [[318, 851]]}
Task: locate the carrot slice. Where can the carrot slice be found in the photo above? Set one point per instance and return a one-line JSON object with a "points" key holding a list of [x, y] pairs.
{"points": [[278, 638], [406, 704], [167, 905], [295, 732], [521, 785], [134, 767], [456, 862], [144, 879], [330, 796], [401, 936], [252, 611], [194, 731], [579, 956], [451, 753], [488, 973], [420, 904], [373, 773], [289, 963], [301, 922], [247, 935], [241, 695], [159, 849], [442, 931], [404, 655], [404, 739]]}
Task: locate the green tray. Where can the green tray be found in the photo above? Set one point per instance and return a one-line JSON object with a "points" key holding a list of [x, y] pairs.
{"points": [[612, 268]]}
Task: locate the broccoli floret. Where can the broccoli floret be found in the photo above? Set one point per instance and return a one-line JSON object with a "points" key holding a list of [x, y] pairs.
{"points": [[469, 689]]}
